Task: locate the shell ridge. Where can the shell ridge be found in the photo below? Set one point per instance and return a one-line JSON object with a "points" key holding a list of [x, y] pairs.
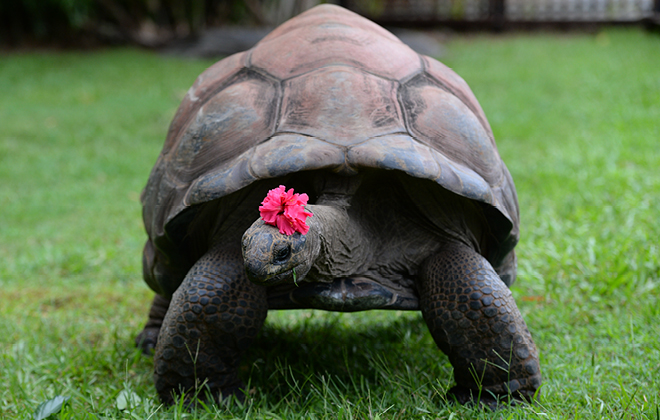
{"points": [[263, 73], [455, 169], [376, 137], [396, 152], [278, 109], [287, 153], [422, 70], [396, 86], [248, 57], [346, 64], [249, 158], [404, 115], [191, 93], [197, 187], [498, 181]]}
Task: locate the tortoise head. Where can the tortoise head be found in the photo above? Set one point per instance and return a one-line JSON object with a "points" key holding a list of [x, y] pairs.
{"points": [[271, 257]]}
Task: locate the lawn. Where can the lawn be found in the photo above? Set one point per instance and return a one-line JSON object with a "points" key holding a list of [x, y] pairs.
{"points": [[577, 120]]}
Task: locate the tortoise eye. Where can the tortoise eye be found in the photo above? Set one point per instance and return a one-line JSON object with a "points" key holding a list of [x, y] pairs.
{"points": [[282, 254]]}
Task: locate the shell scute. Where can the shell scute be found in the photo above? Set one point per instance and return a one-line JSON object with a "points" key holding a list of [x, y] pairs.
{"points": [[340, 105], [395, 152], [164, 194], [289, 153], [462, 180], [310, 45], [457, 87], [232, 176], [442, 121], [328, 14], [206, 84], [233, 121]]}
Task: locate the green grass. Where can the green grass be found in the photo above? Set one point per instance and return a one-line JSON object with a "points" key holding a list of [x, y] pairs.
{"points": [[577, 120]]}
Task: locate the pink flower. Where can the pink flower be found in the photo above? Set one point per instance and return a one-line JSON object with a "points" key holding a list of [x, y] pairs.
{"points": [[285, 210]]}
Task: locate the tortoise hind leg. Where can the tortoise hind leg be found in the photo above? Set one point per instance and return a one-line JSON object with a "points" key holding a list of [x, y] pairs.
{"points": [[148, 337], [213, 317], [475, 321]]}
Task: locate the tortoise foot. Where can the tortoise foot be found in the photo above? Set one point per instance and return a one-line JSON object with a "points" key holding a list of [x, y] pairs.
{"points": [[146, 340], [214, 316], [473, 319]]}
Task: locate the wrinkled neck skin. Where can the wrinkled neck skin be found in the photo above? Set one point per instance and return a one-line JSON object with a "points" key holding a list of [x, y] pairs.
{"points": [[343, 245]]}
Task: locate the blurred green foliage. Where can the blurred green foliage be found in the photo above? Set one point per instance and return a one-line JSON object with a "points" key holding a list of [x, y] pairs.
{"points": [[93, 22]]}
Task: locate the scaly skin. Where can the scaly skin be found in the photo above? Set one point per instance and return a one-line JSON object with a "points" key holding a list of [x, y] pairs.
{"points": [[213, 317], [475, 321]]}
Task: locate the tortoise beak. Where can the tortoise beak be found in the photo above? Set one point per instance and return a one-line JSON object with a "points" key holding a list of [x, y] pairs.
{"points": [[258, 273]]}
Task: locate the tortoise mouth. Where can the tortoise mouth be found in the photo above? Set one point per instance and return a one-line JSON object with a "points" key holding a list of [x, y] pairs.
{"points": [[274, 279]]}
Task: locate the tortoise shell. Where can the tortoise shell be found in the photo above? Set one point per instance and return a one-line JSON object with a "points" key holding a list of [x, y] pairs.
{"points": [[327, 90]]}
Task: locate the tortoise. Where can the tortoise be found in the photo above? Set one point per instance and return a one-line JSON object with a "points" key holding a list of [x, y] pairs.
{"points": [[413, 208]]}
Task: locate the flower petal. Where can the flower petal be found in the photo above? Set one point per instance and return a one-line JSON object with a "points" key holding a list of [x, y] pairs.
{"points": [[285, 226], [286, 210]]}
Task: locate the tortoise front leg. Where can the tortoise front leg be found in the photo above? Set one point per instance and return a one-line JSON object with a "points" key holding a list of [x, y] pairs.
{"points": [[475, 321], [212, 319], [148, 337]]}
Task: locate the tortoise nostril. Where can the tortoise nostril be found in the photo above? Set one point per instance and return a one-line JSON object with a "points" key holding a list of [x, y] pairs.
{"points": [[282, 254]]}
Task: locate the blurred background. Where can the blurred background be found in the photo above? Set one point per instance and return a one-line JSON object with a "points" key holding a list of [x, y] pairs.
{"points": [[159, 23]]}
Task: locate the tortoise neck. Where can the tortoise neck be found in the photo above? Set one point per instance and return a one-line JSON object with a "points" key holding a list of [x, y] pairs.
{"points": [[336, 190], [344, 245]]}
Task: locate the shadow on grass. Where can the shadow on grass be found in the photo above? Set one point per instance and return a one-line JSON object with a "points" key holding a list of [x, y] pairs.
{"points": [[343, 353]]}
